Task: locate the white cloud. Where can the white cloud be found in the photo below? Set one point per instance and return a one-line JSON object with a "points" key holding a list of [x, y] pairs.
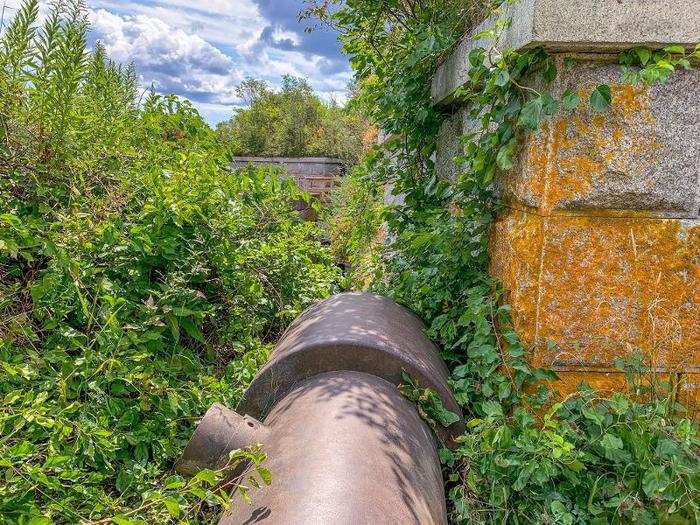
{"points": [[173, 59], [202, 50]]}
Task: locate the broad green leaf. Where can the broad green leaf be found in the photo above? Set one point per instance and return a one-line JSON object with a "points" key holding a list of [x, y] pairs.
{"points": [[610, 441], [531, 114], [643, 54], [571, 100], [601, 98], [655, 480], [675, 49]]}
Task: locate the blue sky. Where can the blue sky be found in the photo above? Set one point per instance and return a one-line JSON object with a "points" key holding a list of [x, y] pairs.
{"points": [[202, 49]]}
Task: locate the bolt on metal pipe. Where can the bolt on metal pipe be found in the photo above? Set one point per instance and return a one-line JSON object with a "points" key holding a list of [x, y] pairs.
{"points": [[344, 446]]}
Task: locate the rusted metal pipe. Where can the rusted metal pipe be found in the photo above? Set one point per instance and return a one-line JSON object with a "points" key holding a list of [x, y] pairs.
{"points": [[344, 446]]}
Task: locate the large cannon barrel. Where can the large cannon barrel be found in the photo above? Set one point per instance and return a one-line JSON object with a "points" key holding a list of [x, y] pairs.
{"points": [[343, 445]]}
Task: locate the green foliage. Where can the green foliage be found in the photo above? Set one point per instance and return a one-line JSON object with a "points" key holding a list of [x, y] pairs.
{"points": [[430, 406], [355, 220], [585, 459], [293, 122], [140, 281], [642, 64], [523, 459]]}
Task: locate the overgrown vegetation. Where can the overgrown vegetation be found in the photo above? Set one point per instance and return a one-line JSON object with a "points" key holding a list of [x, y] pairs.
{"points": [[294, 122], [140, 281], [354, 223], [526, 456]]}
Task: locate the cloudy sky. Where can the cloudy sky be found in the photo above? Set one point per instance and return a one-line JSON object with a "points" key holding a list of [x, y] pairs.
{"points": [[201, 49]]}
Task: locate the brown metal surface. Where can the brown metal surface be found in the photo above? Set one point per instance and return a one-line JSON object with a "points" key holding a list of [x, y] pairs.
{"points": [[352, 331], [344, 446], [347, 448], [220, 431]]}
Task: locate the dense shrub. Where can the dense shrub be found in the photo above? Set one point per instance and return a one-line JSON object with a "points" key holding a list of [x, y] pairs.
{"points": [[354, 223], [140, 280]]}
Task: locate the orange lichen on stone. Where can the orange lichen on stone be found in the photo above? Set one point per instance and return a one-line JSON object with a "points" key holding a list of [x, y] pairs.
{"points": [[689, 393], [571, 160], [606, 383], [601, 287], [516, 242]]}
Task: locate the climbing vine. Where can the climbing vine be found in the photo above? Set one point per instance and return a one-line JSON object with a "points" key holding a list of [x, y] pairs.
{"points": [[526, 456]]}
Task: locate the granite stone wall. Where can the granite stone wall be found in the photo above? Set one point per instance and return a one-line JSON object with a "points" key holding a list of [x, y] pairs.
{"points": [[599, 243]]}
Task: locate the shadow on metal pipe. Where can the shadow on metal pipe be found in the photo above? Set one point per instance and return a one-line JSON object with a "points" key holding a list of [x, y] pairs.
{"points": [[344, 446]]}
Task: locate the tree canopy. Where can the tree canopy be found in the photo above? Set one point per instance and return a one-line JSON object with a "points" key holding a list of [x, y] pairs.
{"points": [[294, 122]]}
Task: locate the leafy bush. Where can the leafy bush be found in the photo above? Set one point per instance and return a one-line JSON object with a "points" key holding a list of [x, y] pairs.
{"points": [[354, 222], [140, 281]]}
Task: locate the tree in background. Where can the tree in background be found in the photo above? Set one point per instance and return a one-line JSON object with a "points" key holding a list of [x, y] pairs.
{"points": [[294, 122]]}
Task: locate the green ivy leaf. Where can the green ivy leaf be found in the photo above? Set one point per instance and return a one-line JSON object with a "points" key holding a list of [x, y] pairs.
{"points": [[571, 100], [601, 98], [549, 105], [531, 114], [505, 155], [644, 54], [675, 49], [503, 78]]}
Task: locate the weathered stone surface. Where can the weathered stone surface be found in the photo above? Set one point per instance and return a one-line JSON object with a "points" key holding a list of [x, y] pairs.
{"points": [[689, 392], [601, 287], [640, 156], [601, 26], [449, 146]]}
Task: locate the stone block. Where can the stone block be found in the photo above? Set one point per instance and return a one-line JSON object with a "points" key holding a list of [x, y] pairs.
{"points": [[640, 156], [599, 26], [449, 146], [601, 287]]}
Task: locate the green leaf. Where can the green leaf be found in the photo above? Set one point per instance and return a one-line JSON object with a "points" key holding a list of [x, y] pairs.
{"points": [[643, 54], [561, 513], [192, 329], [492, 408], [655, 480], [173, 506], [265, 475], [123, 520], [601, 98], [40, 520], [549, 105], [611, 442], [531, 114], [550, 72], [675, 49], [571, 100], [503, 78], [504, 159]]}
